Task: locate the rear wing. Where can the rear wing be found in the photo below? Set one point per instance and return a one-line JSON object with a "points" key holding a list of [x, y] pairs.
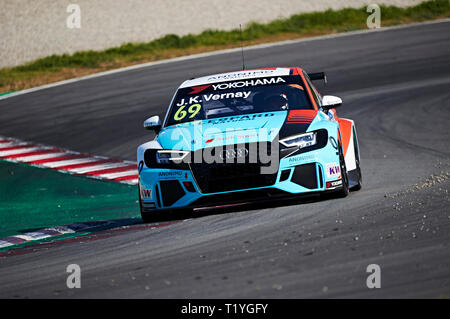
{"points": [[318, 76]]}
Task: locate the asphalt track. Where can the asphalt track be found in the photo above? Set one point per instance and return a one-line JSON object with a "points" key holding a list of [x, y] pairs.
{"points": [[395, 85]]}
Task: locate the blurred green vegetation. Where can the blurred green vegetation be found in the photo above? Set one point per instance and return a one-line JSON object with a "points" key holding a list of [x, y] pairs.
{"points": [[299, 24]]}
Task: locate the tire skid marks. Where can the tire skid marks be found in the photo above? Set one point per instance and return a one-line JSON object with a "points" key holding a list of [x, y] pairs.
{"points": [[99, 167]]}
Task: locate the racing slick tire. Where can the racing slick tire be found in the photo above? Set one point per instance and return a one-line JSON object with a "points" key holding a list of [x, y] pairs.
{"points": [[358, 174], [163, 214], [147, 217], [343, 192]]}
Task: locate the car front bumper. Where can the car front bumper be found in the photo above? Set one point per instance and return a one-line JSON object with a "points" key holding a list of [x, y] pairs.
{"points": [[309, 172]]}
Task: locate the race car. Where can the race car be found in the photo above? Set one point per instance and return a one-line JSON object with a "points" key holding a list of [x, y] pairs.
{"points": [[245, 136]]}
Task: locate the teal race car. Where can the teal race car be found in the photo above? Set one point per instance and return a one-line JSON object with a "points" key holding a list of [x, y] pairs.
{"points": [[246, 136]]}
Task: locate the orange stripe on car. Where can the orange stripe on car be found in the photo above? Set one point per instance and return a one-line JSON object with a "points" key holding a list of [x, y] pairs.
{"points": [[301, 115], [297, 86], [346, 133]]}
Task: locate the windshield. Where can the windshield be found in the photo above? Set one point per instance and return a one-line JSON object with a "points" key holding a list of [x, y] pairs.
{"points": [[237, 98]]}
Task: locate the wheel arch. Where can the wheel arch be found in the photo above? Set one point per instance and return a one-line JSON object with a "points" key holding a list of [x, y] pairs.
{"points": [[350, 143]]}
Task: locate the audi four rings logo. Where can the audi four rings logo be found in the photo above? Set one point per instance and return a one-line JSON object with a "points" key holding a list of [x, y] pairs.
{"points": [[234, 153]]}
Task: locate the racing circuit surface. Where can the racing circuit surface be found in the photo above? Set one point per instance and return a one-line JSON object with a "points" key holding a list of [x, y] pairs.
{"points": [[395, 85]]}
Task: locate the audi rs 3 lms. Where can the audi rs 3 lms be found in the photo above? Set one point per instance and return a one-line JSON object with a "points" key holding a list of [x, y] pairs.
{"points": [[245, 136]]}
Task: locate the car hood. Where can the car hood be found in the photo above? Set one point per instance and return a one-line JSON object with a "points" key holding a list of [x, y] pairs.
{"points": [[248, 128]]}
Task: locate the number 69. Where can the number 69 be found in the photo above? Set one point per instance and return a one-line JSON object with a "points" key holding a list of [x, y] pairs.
{"points": [[181, 113]]}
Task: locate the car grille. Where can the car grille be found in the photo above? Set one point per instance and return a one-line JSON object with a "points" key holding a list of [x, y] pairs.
{"points": [[221, 177]]}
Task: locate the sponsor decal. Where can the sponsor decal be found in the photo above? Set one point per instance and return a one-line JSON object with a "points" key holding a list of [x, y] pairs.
{"points": [[146, 193], [213, 97], [334, 184], [241, 75], [239, 118], [198, 89], [333, 170], [232, 137], [246, 83], [171, 174], [301, 158]]}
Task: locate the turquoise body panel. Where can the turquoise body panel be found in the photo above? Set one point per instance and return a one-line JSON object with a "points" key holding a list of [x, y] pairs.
{"points": [[193, 136]]}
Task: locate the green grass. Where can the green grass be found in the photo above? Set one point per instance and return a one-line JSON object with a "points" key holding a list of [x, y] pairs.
{"points": [[33, 198], [297, 25]]}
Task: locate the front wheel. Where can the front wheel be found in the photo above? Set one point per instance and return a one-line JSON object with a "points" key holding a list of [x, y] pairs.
{"points": [[343, 192], [146, 216], [357, 172], [161, 215]]}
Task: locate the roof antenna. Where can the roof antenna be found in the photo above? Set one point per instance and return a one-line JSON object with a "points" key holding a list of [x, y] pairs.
{"points": [[242, 47]]}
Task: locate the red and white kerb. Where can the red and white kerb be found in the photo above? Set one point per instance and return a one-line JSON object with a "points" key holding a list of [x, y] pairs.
{"points": [[67, 161]]}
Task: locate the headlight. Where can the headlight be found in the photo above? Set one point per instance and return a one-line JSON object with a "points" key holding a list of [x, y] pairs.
{"points": [[302, 140], [169, 156]]}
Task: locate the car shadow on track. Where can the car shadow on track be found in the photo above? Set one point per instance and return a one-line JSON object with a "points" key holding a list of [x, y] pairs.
{"points": [[93, 230], [166, 218], [242, 207]]}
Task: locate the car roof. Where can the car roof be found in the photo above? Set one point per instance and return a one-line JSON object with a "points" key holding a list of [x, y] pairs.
{"points": [[240, 75]]}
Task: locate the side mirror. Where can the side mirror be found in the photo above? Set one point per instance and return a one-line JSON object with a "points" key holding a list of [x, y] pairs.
{"points": [[153, 123], [330, 101]]}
